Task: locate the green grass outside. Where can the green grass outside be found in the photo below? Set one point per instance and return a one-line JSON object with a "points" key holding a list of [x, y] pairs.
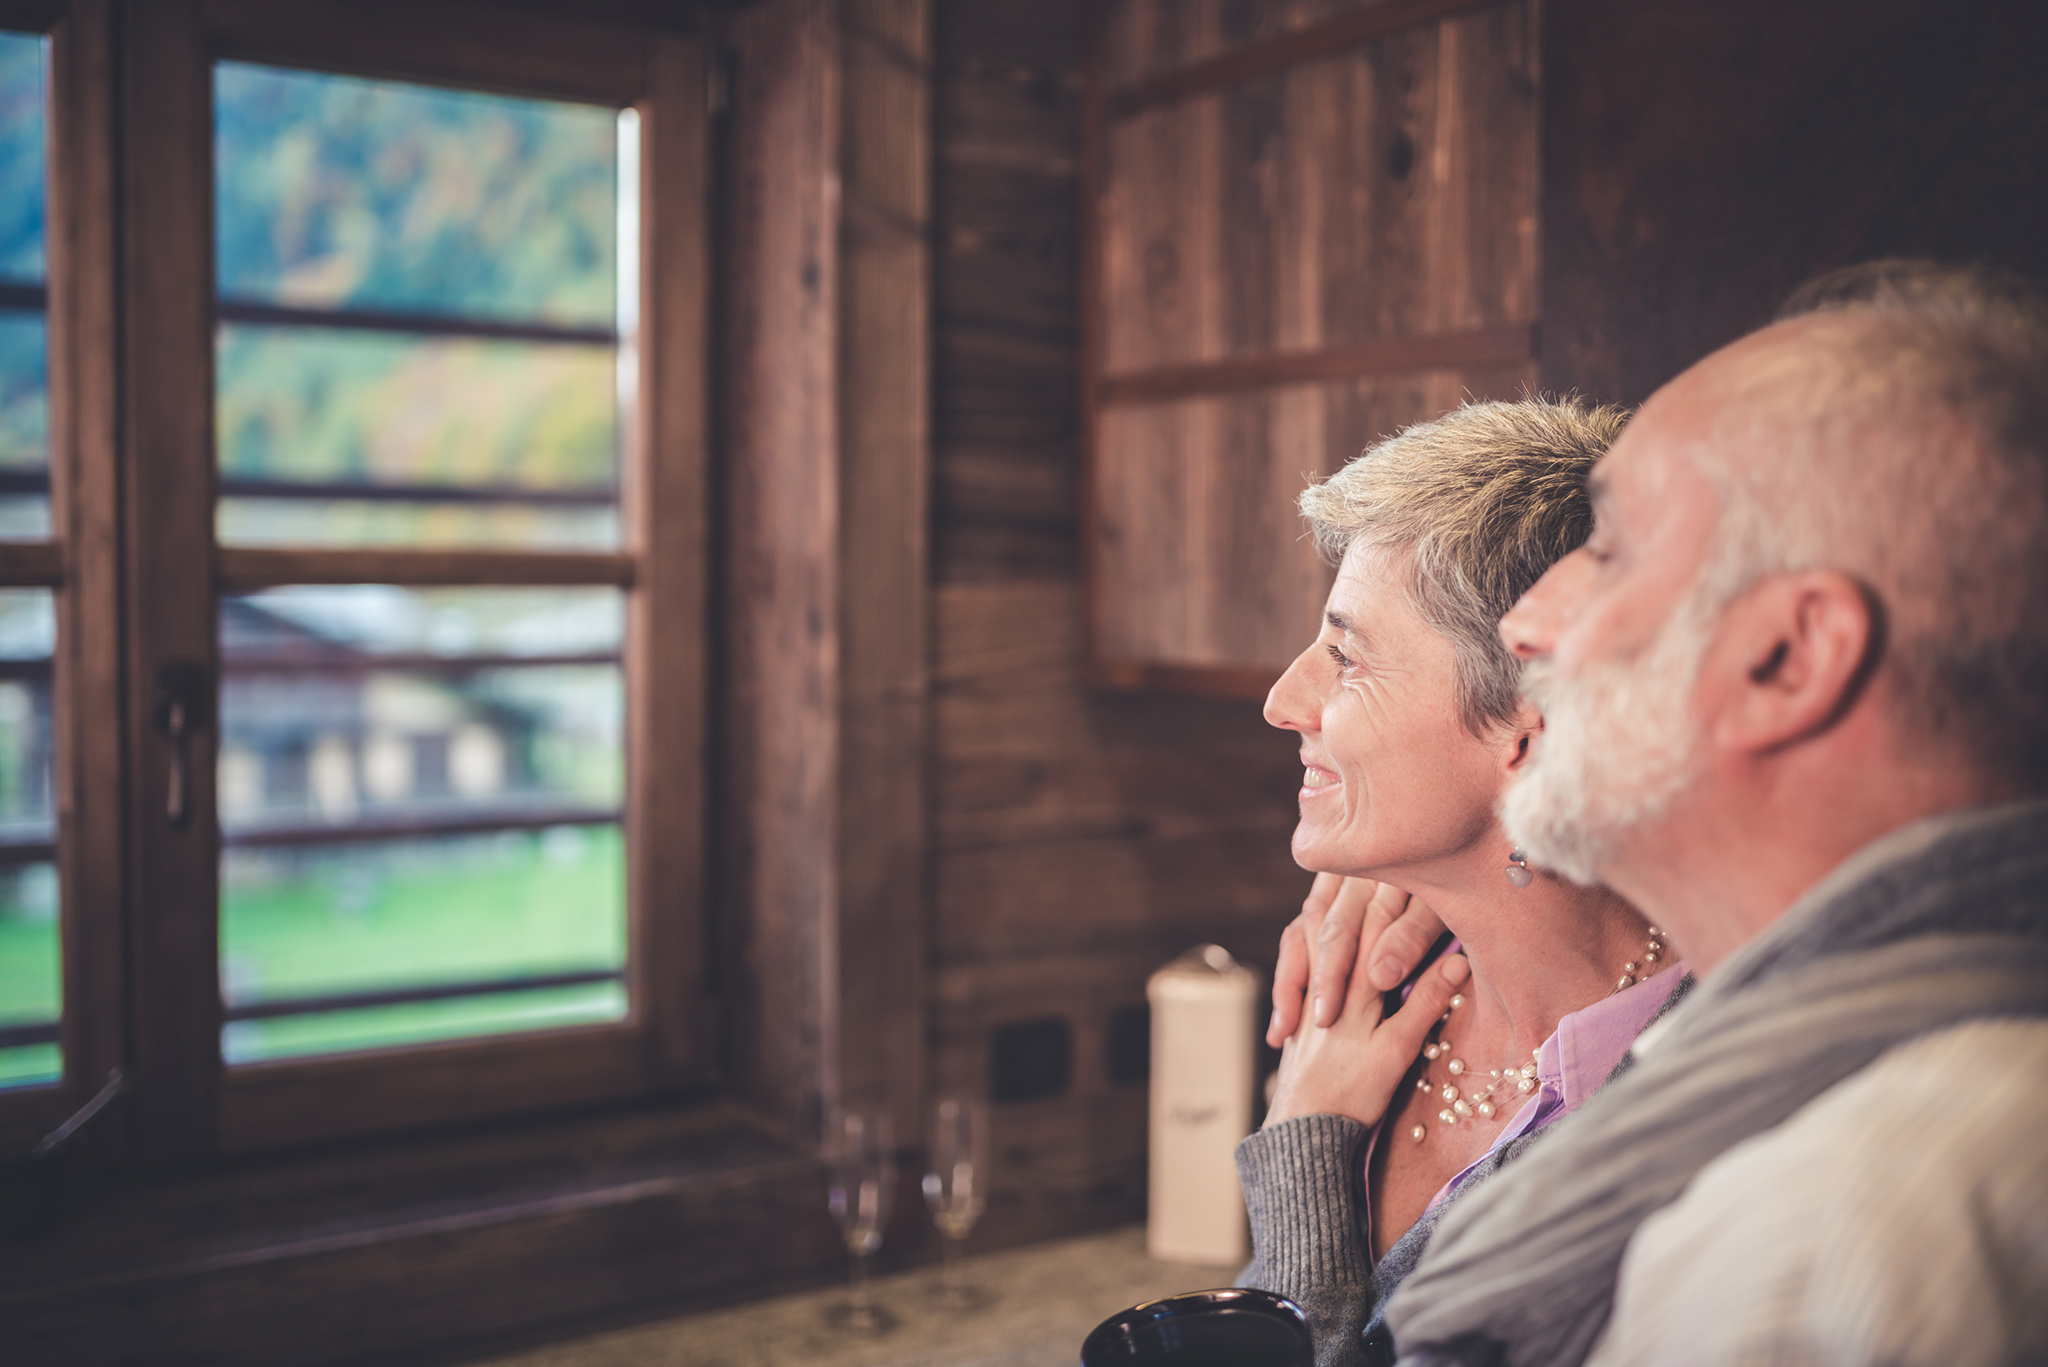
{"points": [[31, 977], [361, 918], [385, 1026], [366, 918]]}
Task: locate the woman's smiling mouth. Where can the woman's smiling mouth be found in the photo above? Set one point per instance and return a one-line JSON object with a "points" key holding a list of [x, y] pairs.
{"points": [[1316, 781]]}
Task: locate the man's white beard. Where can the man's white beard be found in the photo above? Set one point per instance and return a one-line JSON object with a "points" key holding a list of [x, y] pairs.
{"points": [[1619, 743]]}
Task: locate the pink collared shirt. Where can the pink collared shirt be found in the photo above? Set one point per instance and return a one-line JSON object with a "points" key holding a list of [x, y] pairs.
{"points": [[1571, 1066]]}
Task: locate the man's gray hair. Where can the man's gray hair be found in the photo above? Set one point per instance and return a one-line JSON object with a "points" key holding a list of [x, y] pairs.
{"points": [[1908, 446], [1474, 506]]}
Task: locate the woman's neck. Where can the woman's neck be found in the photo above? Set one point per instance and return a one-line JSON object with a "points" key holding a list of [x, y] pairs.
{"points": [[1538, 953]]}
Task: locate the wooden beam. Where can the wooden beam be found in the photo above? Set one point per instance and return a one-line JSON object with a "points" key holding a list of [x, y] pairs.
{"points": [[1389, 356], [478, 46], [243, 568], [666, 516], [884, 575], [778, 522], [31, 564], [1329, 38], [293, 1101], [166, 512]]}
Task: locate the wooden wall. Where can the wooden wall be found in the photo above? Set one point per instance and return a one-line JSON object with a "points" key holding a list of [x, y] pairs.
{"points": [[1079, 839], [1702, 160], [1310, 237]]}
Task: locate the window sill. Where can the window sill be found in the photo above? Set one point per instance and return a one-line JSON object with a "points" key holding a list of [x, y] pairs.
{"points": [[417, 1248]]}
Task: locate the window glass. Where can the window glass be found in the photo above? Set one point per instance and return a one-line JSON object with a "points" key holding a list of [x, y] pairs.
{"points": [[422, 299], [340, 192], [24, 364], [31, 961], [420, 798], [31, 957]]}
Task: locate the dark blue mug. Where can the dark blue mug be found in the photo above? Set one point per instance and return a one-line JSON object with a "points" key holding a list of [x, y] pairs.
{"points": [[1236, 1327]]}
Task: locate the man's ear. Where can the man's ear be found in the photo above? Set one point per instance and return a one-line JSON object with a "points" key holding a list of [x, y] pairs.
{"points": [[1794, 654], [1521, 736]]}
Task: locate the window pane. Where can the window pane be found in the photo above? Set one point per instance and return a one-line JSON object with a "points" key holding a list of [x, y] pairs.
{"points": [[31, 956], [494, 420], [375, 241], [21, 158], [340, 192], [419, 790], [24, 365], [24, 392], [312, 923]]}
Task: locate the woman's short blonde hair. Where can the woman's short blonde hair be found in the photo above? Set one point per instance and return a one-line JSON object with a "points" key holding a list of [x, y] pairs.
{"points": [[1474, 506]]}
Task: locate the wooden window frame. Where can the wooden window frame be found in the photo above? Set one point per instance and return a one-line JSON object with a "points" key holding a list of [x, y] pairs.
{"points": [[77, 562], [1103, 105], [132, 315]]}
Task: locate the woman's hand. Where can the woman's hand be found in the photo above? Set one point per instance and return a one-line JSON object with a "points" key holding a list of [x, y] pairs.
{"points": [[1340, 918], [1352, 1067]]}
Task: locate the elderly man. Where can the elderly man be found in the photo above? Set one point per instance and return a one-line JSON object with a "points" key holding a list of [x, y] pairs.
{"points": [[1796, 697]]}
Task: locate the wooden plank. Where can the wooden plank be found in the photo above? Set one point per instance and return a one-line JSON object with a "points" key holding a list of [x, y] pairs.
{"points": [[247, 568], [166, 477], [884, 500], [1145, 38], [1313, 43], [87, 769], [32, 564], [1113, 796], [1005, 113], [264, 1105], [779, 510], [447, 42], [1004, 511], [666, 515], [1007, 251], [1383, 195], [1393, 356], [997, 385]]}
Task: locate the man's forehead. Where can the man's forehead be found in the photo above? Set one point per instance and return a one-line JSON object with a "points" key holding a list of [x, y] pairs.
{"points": [[1655, 459]]}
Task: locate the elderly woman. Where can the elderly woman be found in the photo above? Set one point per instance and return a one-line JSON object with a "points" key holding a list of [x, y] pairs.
{"points": [[1410, 723]]}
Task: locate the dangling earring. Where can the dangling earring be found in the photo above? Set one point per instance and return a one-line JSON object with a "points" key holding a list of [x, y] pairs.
{"points": [[1518, 869]]}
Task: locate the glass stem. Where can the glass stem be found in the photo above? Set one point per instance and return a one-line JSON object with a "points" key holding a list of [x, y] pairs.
{"points": [[858, 1299], [955, 1249]]}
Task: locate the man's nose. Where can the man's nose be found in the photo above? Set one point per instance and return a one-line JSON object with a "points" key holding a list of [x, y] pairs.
{"points": [[1532, 625]]}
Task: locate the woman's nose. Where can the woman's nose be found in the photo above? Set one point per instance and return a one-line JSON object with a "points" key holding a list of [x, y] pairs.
{"points": [[1532, 625], [1288, 705]]}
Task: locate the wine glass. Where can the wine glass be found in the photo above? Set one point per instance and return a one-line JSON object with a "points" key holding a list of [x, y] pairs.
{"points": [[956, 1188], [863, 1183]]}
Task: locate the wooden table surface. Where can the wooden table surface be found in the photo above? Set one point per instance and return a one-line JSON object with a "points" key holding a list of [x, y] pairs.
{"points": [[1040, 1302]]}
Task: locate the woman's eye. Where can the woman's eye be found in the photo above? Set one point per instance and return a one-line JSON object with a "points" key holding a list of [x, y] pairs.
{"points": [[1343, 661]]}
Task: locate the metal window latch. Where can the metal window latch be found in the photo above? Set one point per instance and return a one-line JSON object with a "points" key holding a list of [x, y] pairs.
{"points": [[184, 698]]}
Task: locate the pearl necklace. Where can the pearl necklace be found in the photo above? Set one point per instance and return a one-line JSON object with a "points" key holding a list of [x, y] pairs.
{"points": [[1468, 1096]]}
